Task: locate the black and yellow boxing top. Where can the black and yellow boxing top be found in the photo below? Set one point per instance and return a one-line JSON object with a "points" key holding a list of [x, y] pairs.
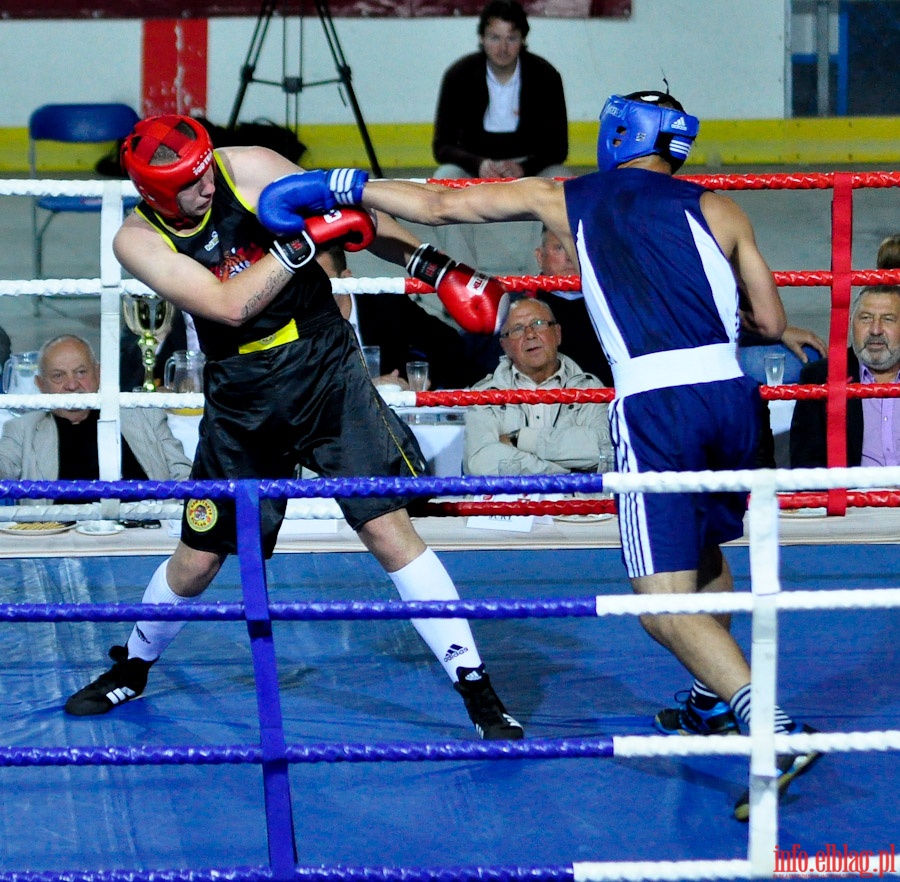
{"points": [[228, 240]]}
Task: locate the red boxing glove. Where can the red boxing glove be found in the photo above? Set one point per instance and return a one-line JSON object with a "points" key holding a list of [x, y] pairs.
{"points": [[354, 228], [478, 303]]}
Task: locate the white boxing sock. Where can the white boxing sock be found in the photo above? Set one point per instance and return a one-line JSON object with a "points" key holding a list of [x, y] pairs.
{"points": [[149, 639], [450, 640]]}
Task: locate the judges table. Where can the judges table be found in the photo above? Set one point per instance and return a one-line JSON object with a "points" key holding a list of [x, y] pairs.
{"points": [[440, 432], [858, 527]]}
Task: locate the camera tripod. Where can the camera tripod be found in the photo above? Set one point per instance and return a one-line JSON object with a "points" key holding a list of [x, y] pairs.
{"points": [[294, 85]]}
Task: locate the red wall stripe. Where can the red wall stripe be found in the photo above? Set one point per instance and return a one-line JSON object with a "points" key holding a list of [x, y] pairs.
{"points": [[174, 67]]}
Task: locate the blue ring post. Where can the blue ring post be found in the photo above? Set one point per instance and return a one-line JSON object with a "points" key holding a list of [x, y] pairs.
{"points": [[276, 782]]}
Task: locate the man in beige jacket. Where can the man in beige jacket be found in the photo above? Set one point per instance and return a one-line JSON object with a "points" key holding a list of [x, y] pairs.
{"points": [[62, 444], [536, 439]]}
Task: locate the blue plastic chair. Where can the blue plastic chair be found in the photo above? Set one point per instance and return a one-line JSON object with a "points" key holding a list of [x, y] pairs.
{"points": [[70, 124]]}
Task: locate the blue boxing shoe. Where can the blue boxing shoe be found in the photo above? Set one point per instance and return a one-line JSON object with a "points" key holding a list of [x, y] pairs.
{"points": [[686, 719]]}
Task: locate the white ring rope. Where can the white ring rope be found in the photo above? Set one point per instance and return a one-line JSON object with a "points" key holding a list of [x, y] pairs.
{"points": [[51, 187], [362, 285], [68, 287], [634, 871], [149, 510], [765, 601]]}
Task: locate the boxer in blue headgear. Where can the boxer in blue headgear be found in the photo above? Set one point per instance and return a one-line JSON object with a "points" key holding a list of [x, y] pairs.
{"points": [[661, 259], [641, 124]]}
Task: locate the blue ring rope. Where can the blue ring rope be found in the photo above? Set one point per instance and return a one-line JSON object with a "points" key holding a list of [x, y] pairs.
{"points": [[273, 753], [310, 874], [316, 611], [316, 488], [309, 754]]}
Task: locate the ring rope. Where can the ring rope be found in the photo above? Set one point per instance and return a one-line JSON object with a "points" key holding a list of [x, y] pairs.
{"points": [[778, 181], [615, 482], [763, 524], [327, 509], [445, 398], [582, 607], [577, 872], [398, 285], [621, 746], [608, 746]]}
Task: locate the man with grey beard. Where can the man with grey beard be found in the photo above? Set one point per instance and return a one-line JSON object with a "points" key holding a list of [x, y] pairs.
{"points": [[873, 424]]}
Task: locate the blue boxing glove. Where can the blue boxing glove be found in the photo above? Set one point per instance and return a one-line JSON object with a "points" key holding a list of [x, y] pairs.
{"points": [[284, 203]]}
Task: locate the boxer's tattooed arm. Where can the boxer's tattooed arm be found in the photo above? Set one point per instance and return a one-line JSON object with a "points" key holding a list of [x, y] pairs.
{"points": [[263, 298]]}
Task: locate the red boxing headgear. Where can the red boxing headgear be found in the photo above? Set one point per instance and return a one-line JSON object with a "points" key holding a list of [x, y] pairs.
{"points": [[160, 184]]}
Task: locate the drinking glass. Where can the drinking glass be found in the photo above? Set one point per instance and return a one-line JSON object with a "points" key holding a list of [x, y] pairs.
{"points": [[607, 465], [372, 355], [417, 375], [774, 369]]}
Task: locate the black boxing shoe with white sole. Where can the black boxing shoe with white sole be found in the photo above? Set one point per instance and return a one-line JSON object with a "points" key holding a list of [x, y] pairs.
{"points": [[486, 711], [124, 681]]}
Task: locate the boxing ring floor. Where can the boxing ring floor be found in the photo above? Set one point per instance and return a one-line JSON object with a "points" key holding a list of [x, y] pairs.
{"points": [[376, 681]]}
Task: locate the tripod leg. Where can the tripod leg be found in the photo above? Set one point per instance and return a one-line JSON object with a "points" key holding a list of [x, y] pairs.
{"points": [[249, 68], [343, 70]]}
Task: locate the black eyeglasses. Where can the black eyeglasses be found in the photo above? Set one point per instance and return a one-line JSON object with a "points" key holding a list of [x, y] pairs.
{"points": [[518, 331]]}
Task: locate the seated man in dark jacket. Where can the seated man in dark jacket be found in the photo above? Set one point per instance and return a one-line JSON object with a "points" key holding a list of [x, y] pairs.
{"points": [[873, 424], [501, 113]]}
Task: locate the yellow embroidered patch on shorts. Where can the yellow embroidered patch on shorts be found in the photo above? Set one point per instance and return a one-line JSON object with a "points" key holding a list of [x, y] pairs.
{"points": [[201, 514]]}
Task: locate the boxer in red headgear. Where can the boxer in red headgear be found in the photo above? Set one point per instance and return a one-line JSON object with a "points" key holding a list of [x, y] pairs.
{"points": [[187, 145], [285, 385]]}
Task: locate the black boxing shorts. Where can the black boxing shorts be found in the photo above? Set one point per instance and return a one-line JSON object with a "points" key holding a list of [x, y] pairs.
{"points": [[308, 402]]}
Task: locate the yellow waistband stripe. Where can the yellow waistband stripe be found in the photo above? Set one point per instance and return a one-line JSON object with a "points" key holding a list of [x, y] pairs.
{"points": [[287, 334]]}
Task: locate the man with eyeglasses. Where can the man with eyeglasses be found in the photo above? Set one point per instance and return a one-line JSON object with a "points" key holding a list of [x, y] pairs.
{"points": [[535, 439]]}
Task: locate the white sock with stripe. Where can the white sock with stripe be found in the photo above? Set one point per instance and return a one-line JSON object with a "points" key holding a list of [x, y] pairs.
{"points": [[149, 639], [451, 640], [740, 704]]}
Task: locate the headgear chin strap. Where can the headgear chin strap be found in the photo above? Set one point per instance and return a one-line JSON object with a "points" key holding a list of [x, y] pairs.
{"points": [[632, 127], [159, 185]]}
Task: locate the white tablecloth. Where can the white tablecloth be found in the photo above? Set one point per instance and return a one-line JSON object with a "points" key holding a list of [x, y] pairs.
{"points": [[440, 432]]}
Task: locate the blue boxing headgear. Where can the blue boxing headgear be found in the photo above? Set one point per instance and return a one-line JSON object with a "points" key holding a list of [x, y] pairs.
{"points": [[636, 125]]}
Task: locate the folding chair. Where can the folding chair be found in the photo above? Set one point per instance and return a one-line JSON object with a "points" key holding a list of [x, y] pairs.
{"points": [[70, 124]]}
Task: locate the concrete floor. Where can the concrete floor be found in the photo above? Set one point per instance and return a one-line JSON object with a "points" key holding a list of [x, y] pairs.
{"points": [[792, 227]]}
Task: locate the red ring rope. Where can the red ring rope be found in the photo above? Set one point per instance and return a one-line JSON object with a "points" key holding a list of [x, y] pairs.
{"points": [[840, 279]]}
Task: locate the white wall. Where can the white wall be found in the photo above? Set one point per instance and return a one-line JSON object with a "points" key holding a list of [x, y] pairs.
{"points": [[50, 61], [724, 60]]}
